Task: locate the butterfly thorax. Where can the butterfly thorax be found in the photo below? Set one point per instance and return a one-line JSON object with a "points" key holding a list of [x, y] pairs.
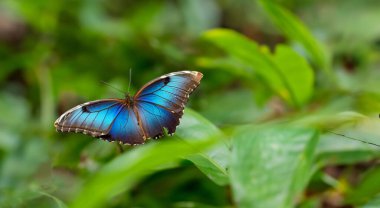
{"points": [[128, 99]]}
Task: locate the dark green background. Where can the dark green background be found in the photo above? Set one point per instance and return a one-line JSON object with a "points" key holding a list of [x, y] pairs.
{"points": [[278, 76]]}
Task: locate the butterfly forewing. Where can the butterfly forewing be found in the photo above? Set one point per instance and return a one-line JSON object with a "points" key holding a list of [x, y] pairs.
{"points": [[94, 118], [160, 103]]}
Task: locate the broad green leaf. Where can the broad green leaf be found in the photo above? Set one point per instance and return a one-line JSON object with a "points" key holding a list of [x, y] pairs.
{"points": [[271, 165], [367, 189], [278, 75], [295, 30], [248, 52], [296, 71], [124, 171], [213, 163]]}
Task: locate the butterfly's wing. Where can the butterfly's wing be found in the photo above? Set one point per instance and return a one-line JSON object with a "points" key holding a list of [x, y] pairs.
{"points": [[160, 103], [110, 119], [126, 128], [94, 118]]}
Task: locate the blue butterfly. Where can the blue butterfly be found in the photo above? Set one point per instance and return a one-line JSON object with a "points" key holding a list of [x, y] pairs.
{"points": [[157, 105]]}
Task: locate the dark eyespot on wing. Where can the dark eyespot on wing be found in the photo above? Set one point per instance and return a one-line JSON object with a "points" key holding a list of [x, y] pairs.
{"points": [[166, 80], [84, 109]]}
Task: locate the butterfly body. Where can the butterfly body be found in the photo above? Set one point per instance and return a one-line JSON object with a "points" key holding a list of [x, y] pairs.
{"points": [[158, 105]]}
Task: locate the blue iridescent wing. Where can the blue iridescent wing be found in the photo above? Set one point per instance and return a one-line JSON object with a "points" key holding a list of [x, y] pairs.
{"points": [[126, 128], [109, 119], [94, 118], [160, 103]]}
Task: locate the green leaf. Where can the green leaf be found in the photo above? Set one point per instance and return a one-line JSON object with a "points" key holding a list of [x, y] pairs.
{"points": [[229, 64], [297, 72], [337, 149], [295, 30], [248, 52], [271, 165], [304, 170], [213, 163], [276, 70], [124, 171], [366, 189]]}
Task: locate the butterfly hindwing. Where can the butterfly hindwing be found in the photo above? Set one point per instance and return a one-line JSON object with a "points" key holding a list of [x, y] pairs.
{"points": [[160, 103], [155, 118], [126, 128]]}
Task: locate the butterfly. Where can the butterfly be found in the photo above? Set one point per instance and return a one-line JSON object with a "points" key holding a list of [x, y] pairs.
{"points": [[157, 106]]}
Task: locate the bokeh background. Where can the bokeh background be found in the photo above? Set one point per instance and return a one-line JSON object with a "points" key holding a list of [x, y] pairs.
{"points": [[279, 76]]}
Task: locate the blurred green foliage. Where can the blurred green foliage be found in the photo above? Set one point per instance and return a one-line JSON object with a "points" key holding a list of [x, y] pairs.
{"points": [[278, 76]]}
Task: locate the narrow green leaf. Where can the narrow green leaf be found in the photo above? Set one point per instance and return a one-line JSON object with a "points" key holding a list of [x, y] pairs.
{"points": [[271, 165], [295, 30]]}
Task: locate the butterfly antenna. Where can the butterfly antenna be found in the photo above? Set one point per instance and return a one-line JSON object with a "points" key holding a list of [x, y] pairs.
{"points": [[352, 138], [130, 79], [115, 88]]}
